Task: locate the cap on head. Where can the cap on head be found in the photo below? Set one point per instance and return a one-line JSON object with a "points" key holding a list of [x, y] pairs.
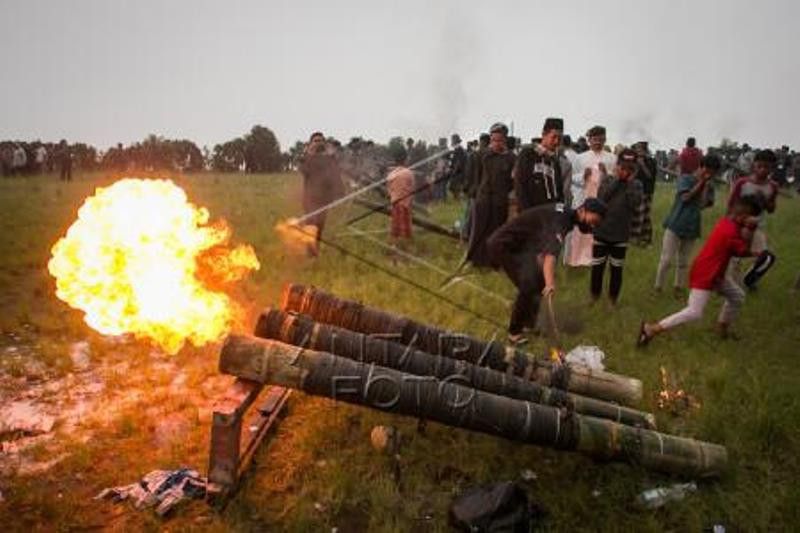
{"points": [[552, 123], [499, 127], [595, 205]]}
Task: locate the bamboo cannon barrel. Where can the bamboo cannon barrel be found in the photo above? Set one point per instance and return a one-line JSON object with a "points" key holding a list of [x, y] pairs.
{"points": [[385, 389], [302, 331], [347, 314]]}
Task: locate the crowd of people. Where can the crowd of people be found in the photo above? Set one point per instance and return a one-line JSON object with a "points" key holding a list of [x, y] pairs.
{"points": [[529, 208]]}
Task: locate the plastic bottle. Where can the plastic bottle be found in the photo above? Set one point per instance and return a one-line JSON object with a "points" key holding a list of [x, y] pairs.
{"points": [[660, 496]]}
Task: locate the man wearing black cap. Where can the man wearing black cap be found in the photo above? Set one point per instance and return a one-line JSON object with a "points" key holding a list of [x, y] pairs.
{"points": [[537, 174], [623, 195], [526, 248], [490, 210]]}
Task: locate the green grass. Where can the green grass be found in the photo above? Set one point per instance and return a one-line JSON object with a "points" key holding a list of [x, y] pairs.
{"points": [[321, 472]]}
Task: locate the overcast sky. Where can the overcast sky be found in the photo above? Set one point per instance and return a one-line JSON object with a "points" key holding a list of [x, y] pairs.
{"points": [[107, 71]]}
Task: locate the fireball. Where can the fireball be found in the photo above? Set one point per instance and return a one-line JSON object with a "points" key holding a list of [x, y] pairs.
{"points": [[141, 259]]}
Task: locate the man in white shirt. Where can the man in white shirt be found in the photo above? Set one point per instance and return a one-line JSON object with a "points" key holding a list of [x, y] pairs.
{"points": [[588, 171]]}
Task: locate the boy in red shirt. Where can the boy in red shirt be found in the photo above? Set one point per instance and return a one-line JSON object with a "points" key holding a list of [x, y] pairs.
{"points": [[730, 238]]}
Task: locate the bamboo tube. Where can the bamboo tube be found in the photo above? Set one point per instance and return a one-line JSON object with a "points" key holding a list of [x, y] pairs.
{"points": [[323, 374], [327, 308], [302, 331]]}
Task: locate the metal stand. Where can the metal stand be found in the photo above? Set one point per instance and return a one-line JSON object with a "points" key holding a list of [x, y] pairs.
{"points": [[237, 431]]}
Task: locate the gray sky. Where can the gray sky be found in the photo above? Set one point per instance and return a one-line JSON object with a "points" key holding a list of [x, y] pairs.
{"points": [[111, 70]]}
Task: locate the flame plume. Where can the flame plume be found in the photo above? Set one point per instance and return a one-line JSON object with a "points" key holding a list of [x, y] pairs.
{"points": [[141, 259]]}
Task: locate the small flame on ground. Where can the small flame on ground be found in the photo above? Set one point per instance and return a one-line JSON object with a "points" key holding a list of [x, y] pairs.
{"points": [[675, 400], [556, 355], [142, 259]]}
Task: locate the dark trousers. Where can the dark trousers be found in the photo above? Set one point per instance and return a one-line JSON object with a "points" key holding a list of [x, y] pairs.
{"points": [[66, 172], [526, 274], [614, 254]]}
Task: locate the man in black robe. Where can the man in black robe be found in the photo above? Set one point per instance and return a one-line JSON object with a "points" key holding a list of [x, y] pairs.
{"points": [[322, 183], [490, 209]]}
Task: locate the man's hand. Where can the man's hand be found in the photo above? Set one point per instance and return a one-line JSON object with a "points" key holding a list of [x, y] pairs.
{"points": [[602, 168], [587, 174], [549, 290]]}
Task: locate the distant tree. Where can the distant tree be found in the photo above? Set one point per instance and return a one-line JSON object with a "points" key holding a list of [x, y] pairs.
{"points": [[229, 156], [295, 154], [262, 152]]}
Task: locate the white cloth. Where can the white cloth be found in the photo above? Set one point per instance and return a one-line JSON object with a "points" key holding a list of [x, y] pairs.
{"points": [[579, 248]]}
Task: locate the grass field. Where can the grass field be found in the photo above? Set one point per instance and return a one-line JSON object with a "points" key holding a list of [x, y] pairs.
{"points": [[320, 471]]}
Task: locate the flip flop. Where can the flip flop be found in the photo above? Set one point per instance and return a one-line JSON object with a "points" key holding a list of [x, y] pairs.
{"points": [[517, 340], [644, 338]]}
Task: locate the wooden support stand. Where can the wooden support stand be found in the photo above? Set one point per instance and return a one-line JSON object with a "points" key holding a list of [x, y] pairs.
{"points": [[237, 431]]}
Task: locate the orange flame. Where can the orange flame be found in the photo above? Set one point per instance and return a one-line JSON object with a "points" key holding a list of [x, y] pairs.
{"points": [[672, 399], [141, 259], [296, 236]]}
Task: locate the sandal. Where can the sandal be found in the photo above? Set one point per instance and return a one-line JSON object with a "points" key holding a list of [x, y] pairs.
{"points": [[643, 338], [517, 340]]}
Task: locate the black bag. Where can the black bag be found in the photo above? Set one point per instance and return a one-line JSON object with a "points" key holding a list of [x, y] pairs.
{"points": [[501, 507]]}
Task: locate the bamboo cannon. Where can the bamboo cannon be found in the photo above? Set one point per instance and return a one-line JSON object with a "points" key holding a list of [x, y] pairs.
{"points": [[385, 389], [327, 308], [302, 331]]}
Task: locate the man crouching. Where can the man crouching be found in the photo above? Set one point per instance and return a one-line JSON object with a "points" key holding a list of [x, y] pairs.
{"points": [[526, 248]]}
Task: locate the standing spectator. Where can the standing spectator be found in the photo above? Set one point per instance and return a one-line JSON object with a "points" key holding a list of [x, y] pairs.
{"points": [[490, 210], [758, 184], [689, 159], [400, 184], [322, 183], [646, 175], [567, 159], [729, 238], [537, 173], [622, 195], [40, 157], [19, 161], [64, 157], [471, 182], [590, 168], [456, 163], [682, 225]]}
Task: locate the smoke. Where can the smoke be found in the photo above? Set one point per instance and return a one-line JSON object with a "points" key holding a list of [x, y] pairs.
{"points": [[638, 128], [454, 61]]}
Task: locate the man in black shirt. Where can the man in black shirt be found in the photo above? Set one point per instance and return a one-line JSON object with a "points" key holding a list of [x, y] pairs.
{"points": [[527, 247], [537, 173]]}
